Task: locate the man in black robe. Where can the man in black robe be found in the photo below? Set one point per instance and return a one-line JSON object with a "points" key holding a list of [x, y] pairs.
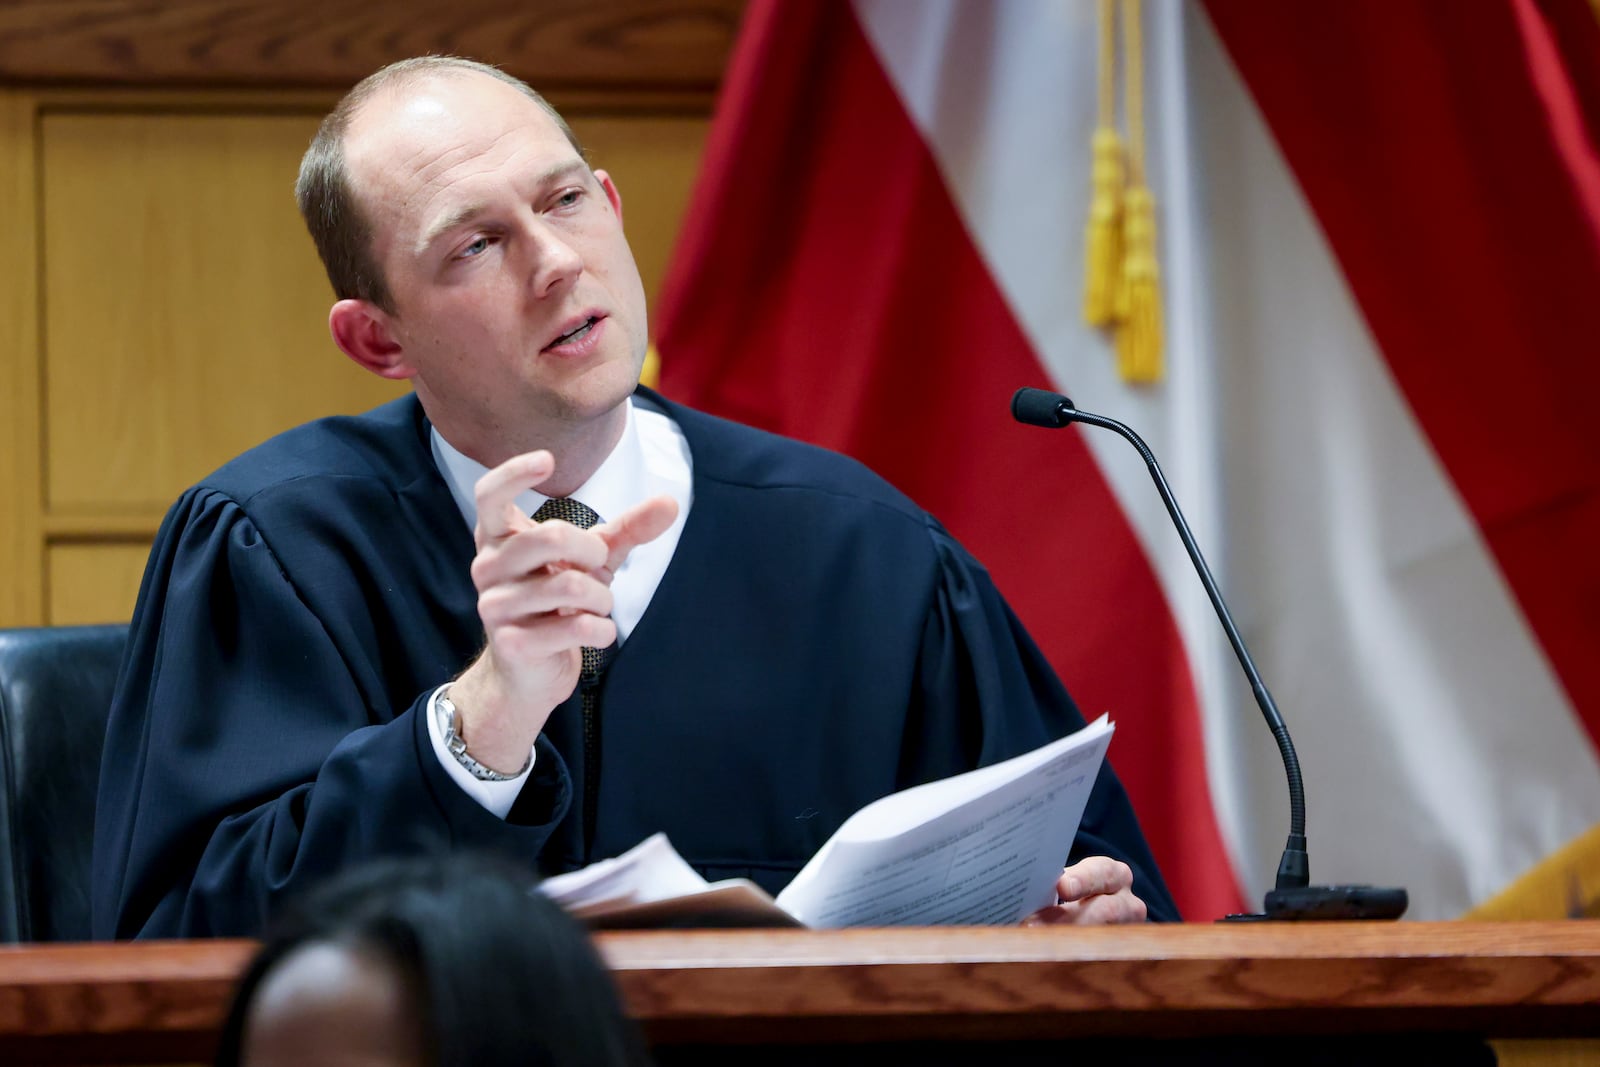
{"points": [[356, 640]]}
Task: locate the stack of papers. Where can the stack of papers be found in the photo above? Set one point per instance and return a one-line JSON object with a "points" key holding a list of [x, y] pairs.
{"points": [[984, 847]]}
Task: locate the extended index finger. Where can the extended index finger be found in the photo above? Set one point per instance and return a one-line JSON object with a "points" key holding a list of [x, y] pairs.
{"points": [[643, 522], [496, 492]]}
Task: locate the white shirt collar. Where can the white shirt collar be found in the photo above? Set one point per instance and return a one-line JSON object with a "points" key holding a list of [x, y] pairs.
{"points": [[615, 486]]}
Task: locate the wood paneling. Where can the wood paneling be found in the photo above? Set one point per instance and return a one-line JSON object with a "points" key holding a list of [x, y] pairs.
{"points": [[1569, 1053], [21, 584], [184, 306], [96, 582], [617, 46]]}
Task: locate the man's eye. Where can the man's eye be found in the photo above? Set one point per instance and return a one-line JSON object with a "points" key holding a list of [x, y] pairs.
{"points": [[480, 245], [570, 197]]}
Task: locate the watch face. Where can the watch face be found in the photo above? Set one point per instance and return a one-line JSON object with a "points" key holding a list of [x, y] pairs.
{"points": [[447, 726]]}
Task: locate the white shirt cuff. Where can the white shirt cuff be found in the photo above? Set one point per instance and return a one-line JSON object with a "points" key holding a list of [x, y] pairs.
{"points": [[496, 796]]}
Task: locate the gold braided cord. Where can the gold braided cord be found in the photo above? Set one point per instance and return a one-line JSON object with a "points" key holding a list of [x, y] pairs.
{"points": [[1108, 63], [1133, 74], [1139, 316], [1103, 238]]}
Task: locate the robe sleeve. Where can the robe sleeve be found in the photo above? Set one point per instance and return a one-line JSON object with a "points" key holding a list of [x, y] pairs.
{"points": [[244, 756], [986, 693]]}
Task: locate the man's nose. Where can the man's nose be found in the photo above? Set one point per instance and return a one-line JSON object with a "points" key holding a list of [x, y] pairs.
{"points": [[556, 263]]}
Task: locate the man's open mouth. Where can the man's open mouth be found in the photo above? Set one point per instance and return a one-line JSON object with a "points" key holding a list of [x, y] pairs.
{"points": [[575, 334]]}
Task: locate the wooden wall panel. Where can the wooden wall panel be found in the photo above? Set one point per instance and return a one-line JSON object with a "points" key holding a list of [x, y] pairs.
{"points": [[21, 584], [94, 582], [615, 46], [184, 307]]}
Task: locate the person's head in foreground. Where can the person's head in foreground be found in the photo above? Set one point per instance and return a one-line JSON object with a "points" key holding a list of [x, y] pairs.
{"points": [[426, 963]]}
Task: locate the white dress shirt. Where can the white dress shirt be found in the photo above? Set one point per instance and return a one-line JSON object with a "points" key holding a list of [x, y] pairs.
{"points": [[651, 459]]}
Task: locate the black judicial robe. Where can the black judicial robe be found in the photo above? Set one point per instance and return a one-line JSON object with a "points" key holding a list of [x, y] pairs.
{"points": [[817, 642]]}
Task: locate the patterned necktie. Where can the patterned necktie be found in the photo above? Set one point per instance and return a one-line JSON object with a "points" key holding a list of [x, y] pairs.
{"points": [[595, 661], [581, 515]]}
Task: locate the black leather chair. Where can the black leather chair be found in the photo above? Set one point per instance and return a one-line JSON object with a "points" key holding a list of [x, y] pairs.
{"points": [[55, 691]]}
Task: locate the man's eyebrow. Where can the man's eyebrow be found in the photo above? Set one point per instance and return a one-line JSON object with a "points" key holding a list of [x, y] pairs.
{"points": [[460, 216], [562, 171], [465, 214]]}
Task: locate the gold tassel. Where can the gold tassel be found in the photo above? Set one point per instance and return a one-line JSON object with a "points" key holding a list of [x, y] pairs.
{"points": [[1104, 238], [1103, 241], [1139, 326], [1138, 311]]}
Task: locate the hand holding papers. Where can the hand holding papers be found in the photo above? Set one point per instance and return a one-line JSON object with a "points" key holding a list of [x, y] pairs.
{"points": [[985, 847], [651, 885]]}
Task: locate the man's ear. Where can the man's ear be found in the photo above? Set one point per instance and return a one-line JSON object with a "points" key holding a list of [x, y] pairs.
{"points": [[611, 192], [362, 331]]}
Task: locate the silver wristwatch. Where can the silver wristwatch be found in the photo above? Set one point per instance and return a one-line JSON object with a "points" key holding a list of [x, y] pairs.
{"points": [[448, 717]]}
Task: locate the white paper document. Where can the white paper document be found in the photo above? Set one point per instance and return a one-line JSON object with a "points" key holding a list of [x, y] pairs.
{"points": [[984, 847]]}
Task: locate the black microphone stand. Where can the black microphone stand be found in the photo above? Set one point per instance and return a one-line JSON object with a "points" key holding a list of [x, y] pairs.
{"points": [[1292, 896]]}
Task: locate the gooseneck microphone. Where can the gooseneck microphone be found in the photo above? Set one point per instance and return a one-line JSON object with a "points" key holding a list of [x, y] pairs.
{"points": [[1292, 897]]}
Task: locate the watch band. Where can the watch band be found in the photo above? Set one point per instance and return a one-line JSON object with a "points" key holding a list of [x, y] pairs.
{"points": [[448, 717]]}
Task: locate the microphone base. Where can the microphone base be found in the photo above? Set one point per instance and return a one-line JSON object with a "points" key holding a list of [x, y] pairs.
{"points": [[1322, 903]]}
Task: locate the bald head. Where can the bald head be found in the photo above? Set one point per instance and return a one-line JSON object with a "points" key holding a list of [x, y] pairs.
{"points": [[329, 202]]}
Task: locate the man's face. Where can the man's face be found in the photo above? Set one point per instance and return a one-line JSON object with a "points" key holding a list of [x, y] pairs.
{"points": [[518, 305]]}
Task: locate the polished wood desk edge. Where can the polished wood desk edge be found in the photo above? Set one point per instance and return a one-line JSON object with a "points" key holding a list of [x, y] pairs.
{"points": [[806, 986], [703, 949], [643, 950]]}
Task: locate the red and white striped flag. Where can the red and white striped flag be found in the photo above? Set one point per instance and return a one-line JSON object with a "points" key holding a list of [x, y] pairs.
{"points": [[1379, 231]]}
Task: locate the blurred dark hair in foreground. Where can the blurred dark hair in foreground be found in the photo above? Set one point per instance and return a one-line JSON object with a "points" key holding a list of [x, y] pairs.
{"points": [[429, 962]]}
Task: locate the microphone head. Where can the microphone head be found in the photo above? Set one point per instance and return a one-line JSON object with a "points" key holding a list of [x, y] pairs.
{"points": [[1040, 407]]}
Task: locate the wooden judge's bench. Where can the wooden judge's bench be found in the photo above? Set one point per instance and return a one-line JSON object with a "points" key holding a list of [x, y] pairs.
{"points": [[872, 994]]}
